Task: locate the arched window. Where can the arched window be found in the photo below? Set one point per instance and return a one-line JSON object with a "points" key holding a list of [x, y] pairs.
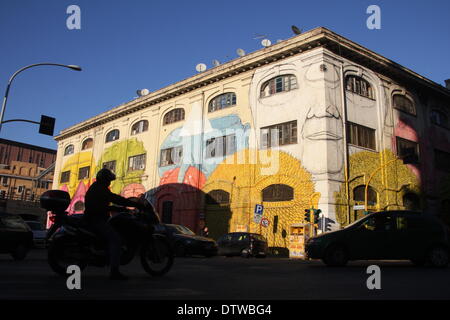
{"points": [[278, 192], [358, 194], [112, 135], [218, 197], [359, 86], [87, 144], [222, 101], [139, 127], [278, 84], [173, 116], [439, 118], [404, 104], [68, 150]]}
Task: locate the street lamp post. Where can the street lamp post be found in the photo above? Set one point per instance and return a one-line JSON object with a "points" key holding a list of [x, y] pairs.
{"points": [[5, 98]]}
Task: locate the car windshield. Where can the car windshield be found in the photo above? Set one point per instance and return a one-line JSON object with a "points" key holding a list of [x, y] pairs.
{"points": [[356, 222], [14, 223], [180, 230]]}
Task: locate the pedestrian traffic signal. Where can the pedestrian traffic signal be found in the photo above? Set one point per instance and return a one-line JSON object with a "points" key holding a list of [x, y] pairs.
{"points": [[47, 125], [317, 213], [307, 215]]}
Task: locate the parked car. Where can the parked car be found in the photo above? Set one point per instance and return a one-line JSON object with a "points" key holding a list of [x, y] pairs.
{"points": [[16, 237], [39, 233], [399, 235], [185, 242], [242, 244]]}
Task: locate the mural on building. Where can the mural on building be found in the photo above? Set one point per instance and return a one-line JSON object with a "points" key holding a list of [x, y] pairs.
{"points": [[393, 185], [192, 142], [242, 186], [77, 187], [127, 180]]}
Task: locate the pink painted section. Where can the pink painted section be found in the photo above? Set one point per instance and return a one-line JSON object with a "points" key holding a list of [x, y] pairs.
{"points": [[170, 176], [133, 190], [194, 177]]}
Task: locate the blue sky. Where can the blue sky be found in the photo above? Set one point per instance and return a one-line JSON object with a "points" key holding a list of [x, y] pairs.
{"points": [[128, 45]]}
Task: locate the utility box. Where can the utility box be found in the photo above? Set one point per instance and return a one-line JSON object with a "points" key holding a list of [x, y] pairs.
{"points": [[299, 233]]}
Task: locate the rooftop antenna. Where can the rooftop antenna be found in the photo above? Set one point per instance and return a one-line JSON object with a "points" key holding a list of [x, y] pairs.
{"points": [[216, 63], [259, 36], [296, 30], [200, 67], [240, 52], [266, 43]]}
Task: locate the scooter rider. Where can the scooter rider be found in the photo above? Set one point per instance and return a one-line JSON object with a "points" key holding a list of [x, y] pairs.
{"points": [[97, 208]]}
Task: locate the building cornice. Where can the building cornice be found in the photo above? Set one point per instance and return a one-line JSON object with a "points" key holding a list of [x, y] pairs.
{"points": [[319, 37]]}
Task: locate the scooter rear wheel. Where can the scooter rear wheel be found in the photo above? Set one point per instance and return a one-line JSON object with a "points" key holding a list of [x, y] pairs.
{"points": [[58, 261]]}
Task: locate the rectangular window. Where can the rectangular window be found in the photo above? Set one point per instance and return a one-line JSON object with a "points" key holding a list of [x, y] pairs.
{"points": [[83, 173], [137, 162], [111, 165], [65, 176], [171, 156], [279, 134], [5, 181], [442, 160], [361, 136], [407, 148], [221, 146]]}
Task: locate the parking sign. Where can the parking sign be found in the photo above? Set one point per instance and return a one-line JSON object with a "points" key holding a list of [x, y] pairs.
{"points": [[258, 213], [259, 209]]}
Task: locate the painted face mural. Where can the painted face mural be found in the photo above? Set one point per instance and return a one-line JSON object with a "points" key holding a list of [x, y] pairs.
{"points": [[124, 158], [317, 117], [322, 128], [81, 168], [184, 157], [232, 191], [390, 189]]}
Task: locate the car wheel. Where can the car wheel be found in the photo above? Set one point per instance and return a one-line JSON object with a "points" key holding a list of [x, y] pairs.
{"points": [[20, 252], [438, 257], [336, 256]]}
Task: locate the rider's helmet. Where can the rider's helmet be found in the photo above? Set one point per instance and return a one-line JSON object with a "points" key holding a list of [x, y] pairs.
{"points": [[105, 175]]}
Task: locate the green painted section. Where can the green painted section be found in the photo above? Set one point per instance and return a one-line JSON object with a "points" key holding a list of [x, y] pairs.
{"points": [[120, 152]]}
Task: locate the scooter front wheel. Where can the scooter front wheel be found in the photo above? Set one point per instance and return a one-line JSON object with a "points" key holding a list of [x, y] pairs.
{"points": [[157, 256]]}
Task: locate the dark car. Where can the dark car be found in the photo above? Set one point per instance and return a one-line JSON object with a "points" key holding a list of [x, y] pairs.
{"points": [[185, 242], [16, 237], [242, 244], [39, 233], [399, 235]]}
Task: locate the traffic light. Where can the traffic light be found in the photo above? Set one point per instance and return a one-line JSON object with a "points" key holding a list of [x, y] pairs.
{"points": [[307, 215], [47, 125], [317, 213]]}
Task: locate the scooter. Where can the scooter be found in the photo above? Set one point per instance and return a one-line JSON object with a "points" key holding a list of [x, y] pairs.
{"points": [[71, 242]]}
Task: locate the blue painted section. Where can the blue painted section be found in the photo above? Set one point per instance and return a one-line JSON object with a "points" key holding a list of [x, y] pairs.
{"points": [[193, 145]]}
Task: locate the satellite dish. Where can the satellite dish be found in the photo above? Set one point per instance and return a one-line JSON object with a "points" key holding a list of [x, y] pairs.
{"points": [[296, 30], [200, 67], [266, 42], [216, 63], [142, 92], [240, 52]]}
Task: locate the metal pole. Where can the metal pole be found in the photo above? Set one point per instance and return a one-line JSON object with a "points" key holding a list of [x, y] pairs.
{"points": [[5, 98]]}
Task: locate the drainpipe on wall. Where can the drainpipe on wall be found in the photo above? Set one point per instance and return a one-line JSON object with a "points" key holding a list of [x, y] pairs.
{"points": [[344, 126], [201, 159]]}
